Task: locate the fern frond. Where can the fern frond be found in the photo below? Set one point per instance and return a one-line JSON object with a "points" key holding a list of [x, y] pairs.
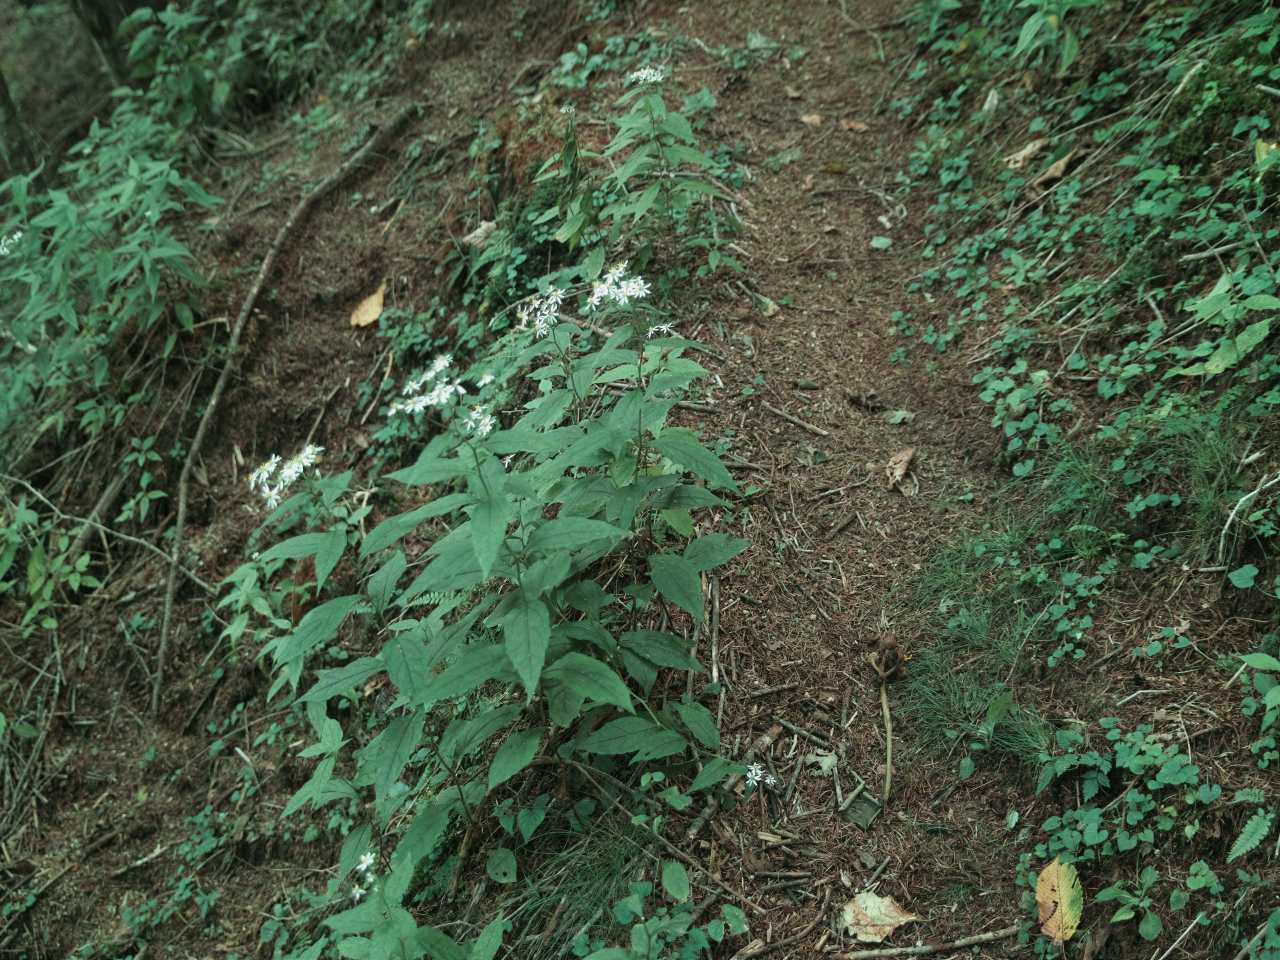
{"points": [[1254, 832]]}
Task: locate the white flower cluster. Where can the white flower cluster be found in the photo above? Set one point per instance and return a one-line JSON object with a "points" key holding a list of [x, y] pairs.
{"points": [[274, 477], [8, 243], [541, 313], [660, 330], [441, 391], [617, 288], [756, 775], [647, 75], [479, 422], [364, 867], [568, 109]]}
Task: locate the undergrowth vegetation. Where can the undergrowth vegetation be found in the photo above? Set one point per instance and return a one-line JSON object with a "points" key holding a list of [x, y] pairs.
{"points": [[1100, 242]]}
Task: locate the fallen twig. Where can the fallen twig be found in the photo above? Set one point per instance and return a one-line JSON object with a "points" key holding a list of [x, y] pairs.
{"points": [[304, 205], [876, 953], [791, 418]]}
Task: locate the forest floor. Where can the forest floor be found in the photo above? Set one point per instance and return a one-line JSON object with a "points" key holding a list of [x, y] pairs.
{"points": [[864, 468]]}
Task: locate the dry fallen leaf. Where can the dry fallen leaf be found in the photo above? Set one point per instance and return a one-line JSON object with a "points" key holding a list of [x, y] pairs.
{"points": [[1020, 158], [480, 235], [808, 184], [871, 918], [855, 126], [812, 119], [792, 92], [370, 308], [1060, 899], [1056, 170], [899, 466]]}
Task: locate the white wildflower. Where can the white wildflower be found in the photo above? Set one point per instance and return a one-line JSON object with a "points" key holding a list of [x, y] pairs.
{"points": [[357, 892], [660, 330], [479, 422], [275, 476], [771, 781], [8, 243], [541, 325], [443, 392], [506, 461], [365, 863], [647, 75], [439, 365], [569, 109], [755, 774], [618, 288], [485, 380]]}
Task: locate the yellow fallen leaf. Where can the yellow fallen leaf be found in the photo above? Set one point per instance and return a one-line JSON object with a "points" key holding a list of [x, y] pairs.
{"points": [[1060, 899], [370, 308], [871, 918], [812, 119], [854, 126]]}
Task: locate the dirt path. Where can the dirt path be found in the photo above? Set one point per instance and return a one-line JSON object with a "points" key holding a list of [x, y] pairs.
{"points": [[833, 544]]}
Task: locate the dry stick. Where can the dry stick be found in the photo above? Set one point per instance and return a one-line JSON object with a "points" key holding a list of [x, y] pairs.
{"points": [[888, 745], [1247, 498], [303, 206], [1244, 951], [777, 411], [877, 952], [762, 743]]}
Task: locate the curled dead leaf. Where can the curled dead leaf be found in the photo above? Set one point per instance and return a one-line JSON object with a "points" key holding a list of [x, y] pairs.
{"points": [[1020, 158], [854, 126], [899, 467], [1056, 170], [1060, 899], [871, 918], [812, 119], [480, 235], [370, 308]]}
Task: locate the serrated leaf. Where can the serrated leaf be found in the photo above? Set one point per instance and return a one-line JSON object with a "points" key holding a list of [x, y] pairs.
{"points": [[1060, 899], [700, 722], [712, 550], [675, 881], [681, 446], [635, 735], [515, 754], [527, 629], [590, 678], [713, 773], [331, 683], [677, 579], [477, 664]]}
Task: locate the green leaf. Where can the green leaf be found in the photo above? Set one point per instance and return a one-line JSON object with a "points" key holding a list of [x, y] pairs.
{"points": [[328, 555], [713, 773], [392, 529], [675, 880], [681, 446], [591, 679], [1151, 926], [516, 753], [501, 865], [490, 513], [1261, 661], [571, 533], [527, 629], [635, 735], [881, 243], [477, 664], [306, 545], [700, 723], [431, 468], [713, 550], [331, 683], [486, 946], [677, 579], [1243, 577]]}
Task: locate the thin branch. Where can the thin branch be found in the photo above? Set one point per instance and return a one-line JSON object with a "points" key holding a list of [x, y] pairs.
{"points": [[89, 522], [304, 205], [877, 952], [1247, 498]]}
